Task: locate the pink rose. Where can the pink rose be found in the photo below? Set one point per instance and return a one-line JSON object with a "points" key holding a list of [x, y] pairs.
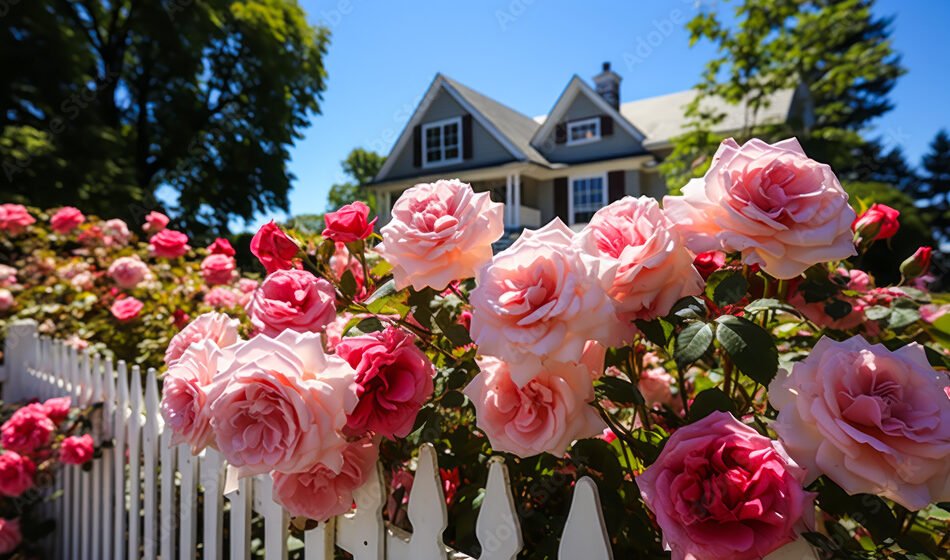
{"points": [[639, 258], [27, 430], [877, 222], [349, 223], [394, 380], [115, 232], [656, 384], [57, 409], [216, 327], [155, 222], [10, 536], [66, 219], [128, 272], [708, 262], [185, 387], [273, 248], [221, 297], [7, 301], [440, 232], [879, 425], [545, 415], [780, 209], [931, 312], [126, 309], [281, 404], [168, 244], [76, 450], [320, 493], [7, 275], [721, 491], [537, 300], [292, 299], [217, 268], [15, 218], [16, 474], [221, 246], [333, 334]]}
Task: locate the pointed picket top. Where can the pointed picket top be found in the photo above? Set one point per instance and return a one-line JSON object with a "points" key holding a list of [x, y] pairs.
{"points": [[152, 402], [362, 533], [585, 535], [497, 527], [122, 398], [135, 393], [427, 511], [108, 405], [96, 375], [85, 378]]}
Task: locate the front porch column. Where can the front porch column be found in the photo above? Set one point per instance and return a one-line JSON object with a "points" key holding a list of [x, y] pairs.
{"points": [[384, 202], [516, 203], [509, 201]]}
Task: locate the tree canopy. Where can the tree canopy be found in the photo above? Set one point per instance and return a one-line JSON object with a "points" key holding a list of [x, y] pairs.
{"points": [[105, 102]]}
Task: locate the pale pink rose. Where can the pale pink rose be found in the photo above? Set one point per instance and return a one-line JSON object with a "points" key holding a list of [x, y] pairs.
{"points": [[281, 404], [155, 222], [66, 219], [656, 386], [537, 300], [128, 272], [7, 301], [218, 328], [246, 285], [15, 218], [16, 474], [126, 309], [320, 493], [185, 387], [544, 416], [222, 297], [218, 268], [931, 312], [440, 232], [721, 491], [7, 276], [10, 536], [115, 232], [780, 209], [880, 424], [634, 250], [77, 342], [83, 281], [292, 299]]}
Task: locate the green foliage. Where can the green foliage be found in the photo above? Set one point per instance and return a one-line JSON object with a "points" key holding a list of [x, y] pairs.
{"points": [[933, 191]]}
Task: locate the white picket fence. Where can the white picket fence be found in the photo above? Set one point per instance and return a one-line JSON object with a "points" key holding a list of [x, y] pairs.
{"points": [[141, 498]]}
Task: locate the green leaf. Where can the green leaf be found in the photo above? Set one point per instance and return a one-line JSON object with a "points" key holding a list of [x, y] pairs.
{"points": [[751, 347], [709, 401], [348, 284], [368, 325], [657, 331], [619, 391], [767, 304], [692, 342], [453, 399], [690, 307], [726, 287], [388, 288], [902, 317], [877, 312]]}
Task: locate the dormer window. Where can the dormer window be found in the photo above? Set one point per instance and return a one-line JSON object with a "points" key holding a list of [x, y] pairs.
{"points": [[442, 142], [583, 131]]}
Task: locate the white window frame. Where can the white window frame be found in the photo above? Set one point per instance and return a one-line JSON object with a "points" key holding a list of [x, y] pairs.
{"points": [[441, 124], [583, 122], [570, 193]]}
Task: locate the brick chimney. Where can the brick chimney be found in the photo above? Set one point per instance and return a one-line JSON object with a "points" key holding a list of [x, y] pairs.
{"points": [[607, 84]]}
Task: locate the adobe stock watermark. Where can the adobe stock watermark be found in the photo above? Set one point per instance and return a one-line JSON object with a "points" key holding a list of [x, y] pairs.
{"points": [[646, 43], [512, 12]]}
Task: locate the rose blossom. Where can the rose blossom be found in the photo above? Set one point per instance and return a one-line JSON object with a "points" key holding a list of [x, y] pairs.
{"points": [[15, 218], [76, 450], [115, 232], [349, 223], [879, 425], [931, 312], [7, 276], [273, 248], [155, 222], [66, 219], [544, 416], [185, 387], [218, 328], [292, 299], [722, 491], [27, 430], [168, 244], [221, 297], [217, 268], [440, 232], [877, 222], [394, 380], [57, 408], [782, 210], [917, 264], [7, 301], [281, 404], [708, 262], [639, 258], [656, 383], [16, 474], [221, 246], [128, 272], [537, 300], [319, 493], [10, 536], [126, 309]]}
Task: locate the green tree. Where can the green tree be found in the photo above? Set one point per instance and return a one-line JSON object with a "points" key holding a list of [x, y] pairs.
{"points": [[933, 191], [835, 52], [103, 103]]}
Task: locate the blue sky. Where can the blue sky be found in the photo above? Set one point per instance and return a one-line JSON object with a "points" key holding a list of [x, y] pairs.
{"points": [[522, 52]]}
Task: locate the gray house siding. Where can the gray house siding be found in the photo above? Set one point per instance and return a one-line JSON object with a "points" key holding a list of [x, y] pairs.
{"points": [[618, 144]]}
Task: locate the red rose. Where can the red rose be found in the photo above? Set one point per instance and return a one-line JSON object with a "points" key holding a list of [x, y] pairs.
{"points": [[66, 219], [349, 223], [76, 450], [917, 264], [14, 218], [16, 474], [10, 535], [126, 309], [273, 248], [57, 408], [168, 244], [709, 262], [221, 246], [877, 222]]}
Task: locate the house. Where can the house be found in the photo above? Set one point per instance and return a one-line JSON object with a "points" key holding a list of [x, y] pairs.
{"points": [[588, 151]]}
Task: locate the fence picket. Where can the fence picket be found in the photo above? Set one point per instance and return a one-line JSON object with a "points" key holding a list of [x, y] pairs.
{"points": [[169, 511], [95, 498], [585, 535], [188, 503], [497, 527], [362, 532], [121, 419], [240, 520], [318, 542], [135, 464], [108, 462], [212, 467], [150, 435], [275, 519], [427, 511], [75, 480]]}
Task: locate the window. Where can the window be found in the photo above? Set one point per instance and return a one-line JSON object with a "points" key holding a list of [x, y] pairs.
{"points": [[442, 142], [583, 131], [588, 195]]}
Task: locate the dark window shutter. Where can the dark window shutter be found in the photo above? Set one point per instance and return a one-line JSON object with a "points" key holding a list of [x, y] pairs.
{"points": [[606, 125], [615, 185], [560, 199], [417, 146], [467, 137], [560, 134]]}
